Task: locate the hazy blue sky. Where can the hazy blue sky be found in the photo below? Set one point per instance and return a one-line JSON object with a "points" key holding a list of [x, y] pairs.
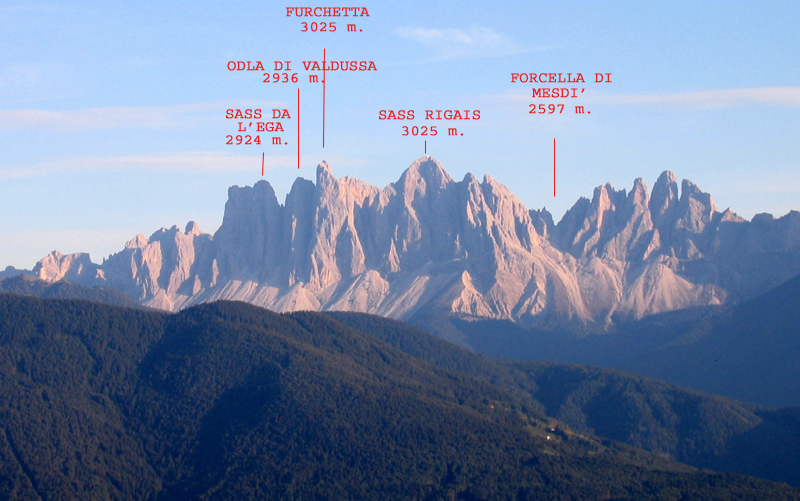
{"points": [[112, 114]]}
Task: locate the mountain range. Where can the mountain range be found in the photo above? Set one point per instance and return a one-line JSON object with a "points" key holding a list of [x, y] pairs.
{"points": [[213, 399], [428, 243]]}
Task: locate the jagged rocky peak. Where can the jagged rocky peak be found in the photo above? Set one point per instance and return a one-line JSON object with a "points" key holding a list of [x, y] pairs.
{"points": [[607, 198], [324, 175], [664, 197], [695, 208], [542, 221], [136, 242], [469, 178], [299, 200], [495, 192], [327, 186], [728, 216], [426, 172], [638, 195], [473, 188], [250, 203], [162, 232], [346, 191], [249, 197], [691, 192], [509, 213], [193, 229], [57, 266]]}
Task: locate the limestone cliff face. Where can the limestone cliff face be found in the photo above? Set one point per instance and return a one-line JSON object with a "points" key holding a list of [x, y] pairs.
{"points": [[75, 267], [468, 247]]}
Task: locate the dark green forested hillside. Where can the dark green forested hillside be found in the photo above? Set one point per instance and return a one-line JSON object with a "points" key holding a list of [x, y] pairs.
{"points": [[229, 401], [694, 427], [64, 366]]}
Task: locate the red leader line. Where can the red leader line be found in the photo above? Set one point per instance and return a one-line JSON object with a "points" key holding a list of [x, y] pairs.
{"points": [[298, 128], [426, 147], [262, 164], [554, 166], [323, 97]]}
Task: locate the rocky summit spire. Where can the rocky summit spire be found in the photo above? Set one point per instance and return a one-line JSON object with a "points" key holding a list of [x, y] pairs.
{"points": [[424, 174], [638, 195], [664, 197]]}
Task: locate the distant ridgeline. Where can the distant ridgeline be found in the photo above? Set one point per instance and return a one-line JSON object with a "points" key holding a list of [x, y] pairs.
{"points": [[31, 286], [228, 401], [428, 243], [748, 351]]}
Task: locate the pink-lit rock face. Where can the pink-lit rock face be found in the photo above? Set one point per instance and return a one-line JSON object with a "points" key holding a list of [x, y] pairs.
{"points": [[466, 247]]}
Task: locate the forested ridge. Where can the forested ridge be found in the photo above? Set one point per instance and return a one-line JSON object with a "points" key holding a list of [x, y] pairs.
{"points": [[230, 401]]}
